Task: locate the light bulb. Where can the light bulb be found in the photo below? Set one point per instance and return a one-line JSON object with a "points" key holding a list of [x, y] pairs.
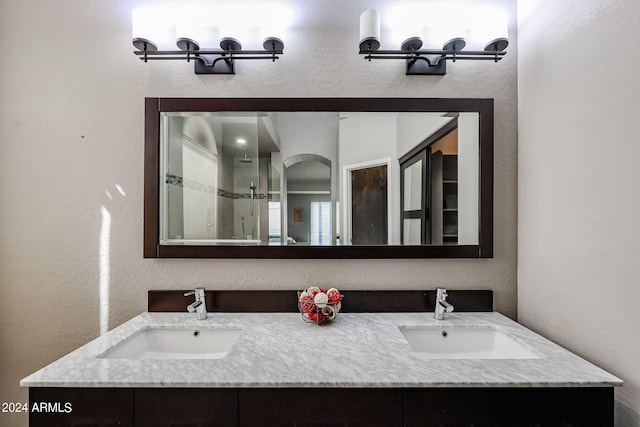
{"points": [[196, 27], [488, 29], [370, 30], [152, 26]]}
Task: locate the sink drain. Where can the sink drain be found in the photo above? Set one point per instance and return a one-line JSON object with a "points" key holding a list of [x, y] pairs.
{"points": [[196, 333]]}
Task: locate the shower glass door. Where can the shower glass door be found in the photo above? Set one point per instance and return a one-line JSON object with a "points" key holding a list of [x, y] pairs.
{"points": [[210, 185]]}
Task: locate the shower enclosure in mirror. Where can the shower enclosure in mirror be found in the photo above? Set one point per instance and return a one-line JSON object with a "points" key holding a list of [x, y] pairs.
{"points": [[325, 178], [210, 173]]}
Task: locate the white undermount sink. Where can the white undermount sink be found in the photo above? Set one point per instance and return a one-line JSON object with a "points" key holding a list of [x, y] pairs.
{"points": [[172, 343], [459, 342]]}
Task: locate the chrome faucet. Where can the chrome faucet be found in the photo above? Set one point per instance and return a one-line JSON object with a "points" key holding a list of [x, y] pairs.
{"points": [[442, 305], [199, 305]]}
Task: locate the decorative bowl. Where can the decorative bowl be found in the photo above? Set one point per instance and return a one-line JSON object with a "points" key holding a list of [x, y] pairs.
{"points": [[319, 306]]}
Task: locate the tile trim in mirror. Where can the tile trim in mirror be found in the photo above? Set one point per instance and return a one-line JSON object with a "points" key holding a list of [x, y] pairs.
{"points": [[155, 106]]}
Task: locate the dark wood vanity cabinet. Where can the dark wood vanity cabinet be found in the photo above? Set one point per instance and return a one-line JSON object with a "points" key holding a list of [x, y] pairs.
{"points": [[323, 407], [75, 407], [125, 407], [508, 407], [185, 407]]}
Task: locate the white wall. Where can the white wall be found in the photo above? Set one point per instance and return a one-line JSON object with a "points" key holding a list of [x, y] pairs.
{"points": [[579, 182], [414, 128], [468, 182], [71, 131]]}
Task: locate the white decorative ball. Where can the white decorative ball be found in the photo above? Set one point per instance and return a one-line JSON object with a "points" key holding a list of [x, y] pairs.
{"points": [[321, 299]]}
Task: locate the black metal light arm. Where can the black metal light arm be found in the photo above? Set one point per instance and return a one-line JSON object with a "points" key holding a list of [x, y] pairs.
{"points": [[433, 61], [181, 54], [213, 61]]}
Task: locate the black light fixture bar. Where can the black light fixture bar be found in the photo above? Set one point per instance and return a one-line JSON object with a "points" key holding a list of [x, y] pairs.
{"points": [[399, 54], [474, 53], [431, 62], [180, 54], [211, 61], [427, 61]]}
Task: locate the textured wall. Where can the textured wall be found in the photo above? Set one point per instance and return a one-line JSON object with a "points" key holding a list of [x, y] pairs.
{"points": [[578, 270], [71, 175]]}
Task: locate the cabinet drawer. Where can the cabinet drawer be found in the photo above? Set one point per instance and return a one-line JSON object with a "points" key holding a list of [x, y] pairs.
{"points": [[321, 408], [498, 407], [186, 408], [70, 407]]}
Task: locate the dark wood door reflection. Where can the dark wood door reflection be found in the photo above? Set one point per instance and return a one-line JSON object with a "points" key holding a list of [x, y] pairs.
{"points": [[369, 206]]}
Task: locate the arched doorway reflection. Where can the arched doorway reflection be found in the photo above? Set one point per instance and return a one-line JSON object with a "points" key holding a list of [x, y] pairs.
{"points": [[309, 213]]}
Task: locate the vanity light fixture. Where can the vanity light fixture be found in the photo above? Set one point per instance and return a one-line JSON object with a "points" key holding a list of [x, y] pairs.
{"points": [[434, 61], [151, 26]]}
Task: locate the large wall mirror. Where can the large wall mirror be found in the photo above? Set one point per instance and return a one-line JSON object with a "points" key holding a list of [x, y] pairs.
{"points": [[318, 178]]}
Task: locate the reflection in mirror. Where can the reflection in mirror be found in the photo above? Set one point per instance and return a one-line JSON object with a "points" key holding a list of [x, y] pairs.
{"points": [[441, 184], [269, 178], [310, 216], [211, 175], [367, 205], [413, 204], [299, 174]]}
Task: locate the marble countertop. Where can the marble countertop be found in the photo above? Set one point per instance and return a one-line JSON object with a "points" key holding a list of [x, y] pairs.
{"points": [[356, 350]]}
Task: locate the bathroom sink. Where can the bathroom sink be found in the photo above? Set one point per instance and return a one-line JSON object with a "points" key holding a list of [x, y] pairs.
{"points": [[458, 342], [171, 343]]}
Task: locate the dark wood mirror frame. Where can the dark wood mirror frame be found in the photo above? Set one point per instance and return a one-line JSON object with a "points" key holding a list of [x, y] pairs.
{"points": [[155, 106]]}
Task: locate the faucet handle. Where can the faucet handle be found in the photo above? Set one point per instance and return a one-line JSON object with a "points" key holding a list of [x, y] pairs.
{"points": [[192, 307], [198, 292]]}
